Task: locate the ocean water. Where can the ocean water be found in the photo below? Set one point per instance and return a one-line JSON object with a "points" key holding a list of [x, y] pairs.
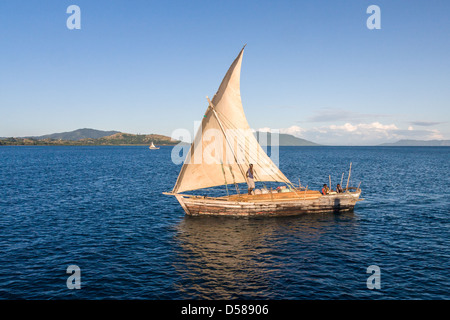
{"points": [[102, 209]]}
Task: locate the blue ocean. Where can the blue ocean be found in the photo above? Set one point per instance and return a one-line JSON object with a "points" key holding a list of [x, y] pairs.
{"points": [[102, 210]]}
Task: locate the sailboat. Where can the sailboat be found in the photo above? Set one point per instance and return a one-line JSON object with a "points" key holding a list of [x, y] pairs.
{"points": [[152, 147], [221, 153]]}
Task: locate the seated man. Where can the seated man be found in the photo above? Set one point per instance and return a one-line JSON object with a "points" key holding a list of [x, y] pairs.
{"points": [[339, 188], [325, 189]]}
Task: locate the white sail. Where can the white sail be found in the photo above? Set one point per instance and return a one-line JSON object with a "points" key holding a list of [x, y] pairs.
{"points": [[225, 145]]}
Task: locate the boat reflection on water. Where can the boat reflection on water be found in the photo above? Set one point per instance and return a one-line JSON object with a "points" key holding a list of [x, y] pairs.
{"points": [[255, 258]]}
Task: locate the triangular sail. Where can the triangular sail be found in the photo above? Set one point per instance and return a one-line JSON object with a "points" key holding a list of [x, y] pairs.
{"points": [[225, 145]]}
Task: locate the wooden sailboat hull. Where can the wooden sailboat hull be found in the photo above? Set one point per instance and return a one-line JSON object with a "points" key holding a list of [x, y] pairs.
{"points": [[278, 205]]}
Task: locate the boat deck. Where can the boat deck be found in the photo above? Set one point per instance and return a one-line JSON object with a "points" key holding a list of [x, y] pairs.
{"points": [[279, 196], [293, 195]]}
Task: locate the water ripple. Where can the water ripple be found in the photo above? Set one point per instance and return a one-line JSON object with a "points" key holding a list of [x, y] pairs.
{"points": [[102, 208]]}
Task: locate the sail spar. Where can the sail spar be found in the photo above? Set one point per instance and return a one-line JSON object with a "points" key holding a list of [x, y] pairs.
{"points": [[225, 145]]}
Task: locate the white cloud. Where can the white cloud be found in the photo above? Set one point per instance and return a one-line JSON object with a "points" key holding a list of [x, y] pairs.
{"points": [[346, 127], [265, 129], [293, 130], [356, 134], [365, 129], [435, 135], [359, 134]]}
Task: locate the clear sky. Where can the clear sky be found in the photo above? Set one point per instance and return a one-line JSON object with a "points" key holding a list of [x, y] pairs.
{"points": [[310, 68]]}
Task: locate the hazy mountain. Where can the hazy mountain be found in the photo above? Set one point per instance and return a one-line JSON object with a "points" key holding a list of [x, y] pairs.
{"points": [[77, 135], [284, 140], [418, 143]]}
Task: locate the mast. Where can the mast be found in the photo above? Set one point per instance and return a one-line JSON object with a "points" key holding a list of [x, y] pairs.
{"points": [[349, 173]]}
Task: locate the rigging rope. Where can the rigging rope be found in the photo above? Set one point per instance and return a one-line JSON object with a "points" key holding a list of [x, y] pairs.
{"points": [[225, 178]]}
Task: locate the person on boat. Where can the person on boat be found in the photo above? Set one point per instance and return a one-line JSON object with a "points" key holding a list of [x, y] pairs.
{"points": [[250, 181], [325, 189], [339, 188]]}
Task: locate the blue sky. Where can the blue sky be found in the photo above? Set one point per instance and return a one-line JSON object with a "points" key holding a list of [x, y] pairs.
{"points": [[310, 68]]}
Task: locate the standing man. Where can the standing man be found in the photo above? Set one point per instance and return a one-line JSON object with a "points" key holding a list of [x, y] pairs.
{"points": [[250, 181]]}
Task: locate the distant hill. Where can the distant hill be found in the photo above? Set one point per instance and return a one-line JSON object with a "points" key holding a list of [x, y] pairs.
{"points": [[83, 137], [284, 140], [418, 143], [132, 139], [77, 135]]}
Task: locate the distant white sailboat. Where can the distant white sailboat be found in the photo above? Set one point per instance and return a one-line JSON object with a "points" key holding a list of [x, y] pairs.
{"points": [[152, 147]]}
